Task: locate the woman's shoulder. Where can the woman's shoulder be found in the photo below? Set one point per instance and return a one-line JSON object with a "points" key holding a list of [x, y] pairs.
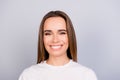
{"points": [[34, 68], [31, 72], [81, 67]]}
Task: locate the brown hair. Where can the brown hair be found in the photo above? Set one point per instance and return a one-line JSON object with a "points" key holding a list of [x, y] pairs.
{"points": [[72, 49]]}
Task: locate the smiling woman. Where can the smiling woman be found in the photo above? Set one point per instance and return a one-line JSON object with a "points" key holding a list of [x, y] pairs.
{"points": [[57, 52]]}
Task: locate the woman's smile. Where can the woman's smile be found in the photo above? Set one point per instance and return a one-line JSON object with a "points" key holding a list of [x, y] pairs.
{"points": [[56, 47]]}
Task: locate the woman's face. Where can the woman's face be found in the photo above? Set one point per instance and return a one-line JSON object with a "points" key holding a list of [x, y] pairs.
{"points": [[55, 36]]}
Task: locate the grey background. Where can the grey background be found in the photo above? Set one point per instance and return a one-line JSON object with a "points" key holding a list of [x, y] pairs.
{"points": [[97, 26]]}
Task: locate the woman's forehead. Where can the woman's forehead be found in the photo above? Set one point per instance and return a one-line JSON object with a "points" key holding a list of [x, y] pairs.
{"points": [[55, 23]]}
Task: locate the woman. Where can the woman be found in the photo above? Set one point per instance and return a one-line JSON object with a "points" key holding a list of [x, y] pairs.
{"points": [[57, 52]]}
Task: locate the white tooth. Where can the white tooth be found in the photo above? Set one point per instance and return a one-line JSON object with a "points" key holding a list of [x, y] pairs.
{"points": [[55, 47]]}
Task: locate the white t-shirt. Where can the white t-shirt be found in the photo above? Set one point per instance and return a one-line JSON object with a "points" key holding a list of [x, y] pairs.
{"points": [[69, 71]]}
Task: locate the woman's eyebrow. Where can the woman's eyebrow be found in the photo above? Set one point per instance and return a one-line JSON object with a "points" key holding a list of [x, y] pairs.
{"points": [[47, 31], [58, 30], [62, 30]]}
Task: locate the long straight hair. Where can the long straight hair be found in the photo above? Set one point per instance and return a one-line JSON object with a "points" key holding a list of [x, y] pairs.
{"points": [[72, 48]]}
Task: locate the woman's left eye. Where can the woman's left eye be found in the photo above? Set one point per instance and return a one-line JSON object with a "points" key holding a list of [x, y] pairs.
{"points": [[62, 32]]}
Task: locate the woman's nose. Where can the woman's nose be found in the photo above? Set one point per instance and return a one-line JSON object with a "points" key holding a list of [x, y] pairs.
{"points": [[55, 38]]}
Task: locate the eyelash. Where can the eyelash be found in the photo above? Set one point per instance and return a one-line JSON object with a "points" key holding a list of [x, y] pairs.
{"points": [[47, 34], [61, 33]]}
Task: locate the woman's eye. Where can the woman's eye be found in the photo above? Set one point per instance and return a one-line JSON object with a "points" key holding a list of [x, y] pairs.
{"points": [[47, 34], [62, 33]]}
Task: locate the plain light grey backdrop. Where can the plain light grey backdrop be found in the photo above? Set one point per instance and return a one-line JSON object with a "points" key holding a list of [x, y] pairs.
{"points": [[97, 26]]}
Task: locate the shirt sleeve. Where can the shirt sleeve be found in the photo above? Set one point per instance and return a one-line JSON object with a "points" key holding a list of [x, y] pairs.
{"points": [[22, 76], [28, 74], [91, 75]]}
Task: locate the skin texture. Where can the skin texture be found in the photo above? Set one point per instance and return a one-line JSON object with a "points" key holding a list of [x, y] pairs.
{"points": [[56, 41]]}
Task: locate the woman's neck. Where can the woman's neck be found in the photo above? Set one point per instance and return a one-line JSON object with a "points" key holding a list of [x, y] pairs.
{"points": [[57, 61]]}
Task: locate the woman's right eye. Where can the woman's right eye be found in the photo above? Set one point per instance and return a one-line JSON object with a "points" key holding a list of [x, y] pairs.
{"points": [[47, 34]]}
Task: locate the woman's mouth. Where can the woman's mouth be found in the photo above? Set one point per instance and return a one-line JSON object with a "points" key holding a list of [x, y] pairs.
{"points": [[55, 47]]}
